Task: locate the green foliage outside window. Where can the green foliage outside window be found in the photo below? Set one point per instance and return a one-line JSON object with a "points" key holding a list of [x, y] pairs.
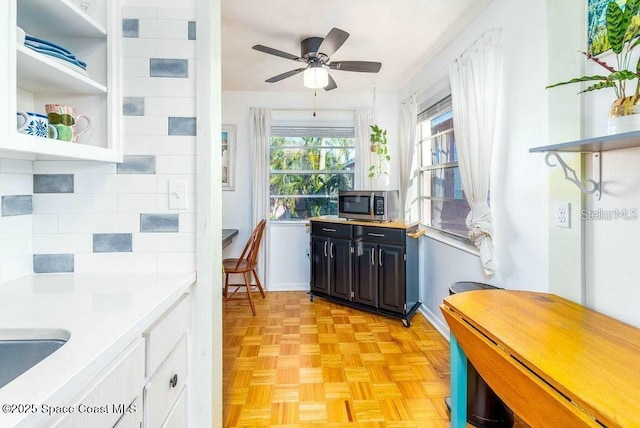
{"points": [[307, 173]]}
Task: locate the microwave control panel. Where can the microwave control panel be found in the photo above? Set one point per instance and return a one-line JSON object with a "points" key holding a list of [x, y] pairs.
{"points": [[379, 206]]}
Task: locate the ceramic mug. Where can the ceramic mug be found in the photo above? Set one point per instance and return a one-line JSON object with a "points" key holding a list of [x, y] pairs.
{"points": [[65, 119], [35, 124]]}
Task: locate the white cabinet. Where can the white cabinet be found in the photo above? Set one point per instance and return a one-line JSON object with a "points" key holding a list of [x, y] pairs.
{"points": [[164, 388], [112, 394], [165, 394], [33, 79]]}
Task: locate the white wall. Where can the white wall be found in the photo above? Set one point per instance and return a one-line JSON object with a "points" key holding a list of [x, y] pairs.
{"points": [[288, 244], [518, 179]]}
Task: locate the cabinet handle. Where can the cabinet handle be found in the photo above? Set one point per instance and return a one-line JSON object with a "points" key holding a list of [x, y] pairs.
{"points": [[325, 229], [377, 235], [373, 258], [325, 248], [173, 381], [331, 250], [380, 256]]}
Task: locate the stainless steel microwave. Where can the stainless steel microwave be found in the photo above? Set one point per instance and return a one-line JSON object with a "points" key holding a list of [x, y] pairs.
{"points": [[374, 205]]}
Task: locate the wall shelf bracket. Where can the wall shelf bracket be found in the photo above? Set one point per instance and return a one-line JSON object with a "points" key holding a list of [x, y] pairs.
{"points": [[590, 186]]}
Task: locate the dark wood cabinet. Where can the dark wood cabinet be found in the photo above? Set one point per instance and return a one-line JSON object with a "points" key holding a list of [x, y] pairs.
{"points": [[331, 261], [365, 281], [391, 293], [371, 267]]}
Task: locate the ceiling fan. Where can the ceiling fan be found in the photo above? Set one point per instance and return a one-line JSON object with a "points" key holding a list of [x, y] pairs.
{"points": [[316, 53]]}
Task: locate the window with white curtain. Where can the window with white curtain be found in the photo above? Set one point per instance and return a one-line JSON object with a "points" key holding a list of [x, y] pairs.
{"points": [[441, 197], [307, 167]]}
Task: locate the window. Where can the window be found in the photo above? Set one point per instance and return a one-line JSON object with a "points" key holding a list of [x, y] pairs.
{"points": [[308, 166], [442, 202]]}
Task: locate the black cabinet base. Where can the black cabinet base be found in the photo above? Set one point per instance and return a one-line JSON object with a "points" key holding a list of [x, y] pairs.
{"points": [[406, 319]]}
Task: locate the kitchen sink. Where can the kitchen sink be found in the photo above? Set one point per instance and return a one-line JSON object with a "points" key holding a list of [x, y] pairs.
{"points": [[21, 349]]}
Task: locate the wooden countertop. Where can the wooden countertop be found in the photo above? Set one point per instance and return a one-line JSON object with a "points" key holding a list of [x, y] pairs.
{"points": [[394, 224], [590, 358]]}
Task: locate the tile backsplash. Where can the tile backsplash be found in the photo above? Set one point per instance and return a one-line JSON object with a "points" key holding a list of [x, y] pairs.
{"points": [[16, 220], [83, 216]]}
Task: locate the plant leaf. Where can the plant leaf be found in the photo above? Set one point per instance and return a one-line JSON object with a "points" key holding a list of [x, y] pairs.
{"points": [[601, 85], [388, 157], [616, 28], [623, 75], [630, 10], [579, 79]]}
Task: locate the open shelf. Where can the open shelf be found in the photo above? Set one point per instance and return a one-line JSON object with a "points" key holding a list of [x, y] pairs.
{"points": [[40, 74], [49, 148], [606, 143], [57, 18]]}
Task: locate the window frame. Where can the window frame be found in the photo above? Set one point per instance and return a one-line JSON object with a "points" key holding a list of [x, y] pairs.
{"points": [[434, 110]]}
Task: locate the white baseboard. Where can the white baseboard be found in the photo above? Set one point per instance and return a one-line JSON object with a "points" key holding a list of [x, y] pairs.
{"points": [[442, 327], [288, 287]]}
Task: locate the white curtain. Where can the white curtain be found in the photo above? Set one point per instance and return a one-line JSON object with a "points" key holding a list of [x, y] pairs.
{"points": [[260, 128], [476, 79], [364, 119], [408, 123]]}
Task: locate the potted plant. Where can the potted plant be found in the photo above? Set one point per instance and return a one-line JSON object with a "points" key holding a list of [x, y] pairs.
{"points": [[378, 140], [622, 30]]}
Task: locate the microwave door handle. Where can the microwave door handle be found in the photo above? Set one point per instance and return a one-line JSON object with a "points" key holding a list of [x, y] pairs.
{"points": [[371, 205]]}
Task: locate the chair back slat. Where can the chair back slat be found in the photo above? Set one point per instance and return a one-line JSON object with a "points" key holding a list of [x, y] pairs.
{"points": [[250, 252]]}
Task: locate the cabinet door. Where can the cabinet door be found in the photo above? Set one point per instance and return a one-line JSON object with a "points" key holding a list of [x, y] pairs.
{"points": [[320, 264], [365, 281], [340, 268], [391, 278]]}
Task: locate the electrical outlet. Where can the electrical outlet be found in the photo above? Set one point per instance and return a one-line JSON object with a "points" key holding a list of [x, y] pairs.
{"points": [[562, 214], [177, 194]]}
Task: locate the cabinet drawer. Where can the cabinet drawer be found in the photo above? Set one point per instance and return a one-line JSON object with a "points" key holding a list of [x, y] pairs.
{"points": [[382, 235], [132, 417], [109, 397], [178, 416], [163, 336], [165, 386], [332, 230]]}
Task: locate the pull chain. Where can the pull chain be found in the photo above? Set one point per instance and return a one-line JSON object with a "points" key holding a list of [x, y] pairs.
{"points": [[315, 95]]}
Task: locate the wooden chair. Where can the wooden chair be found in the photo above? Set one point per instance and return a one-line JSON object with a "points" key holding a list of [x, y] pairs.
{"points": [[245, 265]]}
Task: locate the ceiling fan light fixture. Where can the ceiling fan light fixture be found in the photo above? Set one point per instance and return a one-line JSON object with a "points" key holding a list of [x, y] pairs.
{"points": [[316, 77]]}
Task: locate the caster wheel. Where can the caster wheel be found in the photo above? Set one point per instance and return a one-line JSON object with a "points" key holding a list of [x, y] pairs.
{"points": [[406, 323], [312, 298]]}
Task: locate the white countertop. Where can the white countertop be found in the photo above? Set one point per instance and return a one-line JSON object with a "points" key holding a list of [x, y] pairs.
{"points": [[102, 312]]}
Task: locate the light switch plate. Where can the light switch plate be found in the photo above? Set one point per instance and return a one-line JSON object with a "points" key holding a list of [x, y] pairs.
{"points": [[562, 214], [177, 194]]}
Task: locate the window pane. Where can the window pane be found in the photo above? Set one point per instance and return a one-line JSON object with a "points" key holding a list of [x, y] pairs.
{"points": [[443, 183], [442, 203], [316, 159], [450, 215], [301, 207]]}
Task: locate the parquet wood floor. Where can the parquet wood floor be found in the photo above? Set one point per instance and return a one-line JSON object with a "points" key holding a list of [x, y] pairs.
{"points": [[314, 364]]}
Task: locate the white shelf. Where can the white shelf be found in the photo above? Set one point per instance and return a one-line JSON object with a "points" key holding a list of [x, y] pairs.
{"points": [[605, 143], [57, 18], [39, 148], [40, 74]]}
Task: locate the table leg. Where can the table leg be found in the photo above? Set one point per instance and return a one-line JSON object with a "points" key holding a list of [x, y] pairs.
{"points": [[458, 384]]}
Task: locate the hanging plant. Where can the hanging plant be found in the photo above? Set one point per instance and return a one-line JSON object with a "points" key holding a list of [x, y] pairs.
{"points": [[378, 140]]}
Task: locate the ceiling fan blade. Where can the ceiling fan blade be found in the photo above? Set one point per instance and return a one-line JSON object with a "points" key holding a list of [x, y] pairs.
{"points": [[332, 84], [361, 66], [275, 52], [333, 41], [282, 76]]}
